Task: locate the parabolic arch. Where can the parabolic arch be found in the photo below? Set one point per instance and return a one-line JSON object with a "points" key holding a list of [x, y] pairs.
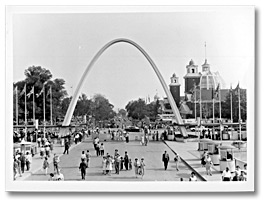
{"points": [[75, 97]]}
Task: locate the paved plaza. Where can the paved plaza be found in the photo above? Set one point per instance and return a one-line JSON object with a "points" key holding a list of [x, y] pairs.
{"points": [[152, 154]]}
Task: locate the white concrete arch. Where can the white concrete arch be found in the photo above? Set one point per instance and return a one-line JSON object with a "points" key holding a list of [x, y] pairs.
{"points": [[77, 92]]}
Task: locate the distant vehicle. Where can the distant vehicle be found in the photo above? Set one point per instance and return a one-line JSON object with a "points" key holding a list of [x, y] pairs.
{"points": [[132, 129]]}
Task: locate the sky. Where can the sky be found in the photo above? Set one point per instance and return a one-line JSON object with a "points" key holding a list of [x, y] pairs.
{"points": [[65, 43]]}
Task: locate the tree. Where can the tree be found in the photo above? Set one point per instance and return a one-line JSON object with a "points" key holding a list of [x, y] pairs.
{"points": [[36, 76], [102, 108], [226, 106], [137, 109]]}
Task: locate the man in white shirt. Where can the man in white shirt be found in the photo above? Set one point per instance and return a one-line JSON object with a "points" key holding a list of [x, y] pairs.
{"points": [[83, 156], [226, 175]]}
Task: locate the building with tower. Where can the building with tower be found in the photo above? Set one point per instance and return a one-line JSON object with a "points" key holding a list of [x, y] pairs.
{"points": [[192, 78], [175, 89]]}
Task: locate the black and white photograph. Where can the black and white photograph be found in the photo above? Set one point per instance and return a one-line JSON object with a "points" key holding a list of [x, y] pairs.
{"points": [[130, 99]]}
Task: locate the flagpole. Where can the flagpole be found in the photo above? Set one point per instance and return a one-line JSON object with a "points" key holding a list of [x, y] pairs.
{"points": [[231, 105], [219, 104], [195, 103], [213, 97], [17, 114], [51, 103], [220, 113], [25, 113], [200, 102], [34, 105], [239, 112], [44, 111]]}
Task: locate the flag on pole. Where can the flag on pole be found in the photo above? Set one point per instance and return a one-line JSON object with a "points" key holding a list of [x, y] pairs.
{"points": [[49, 91], [231, 90], [24, 90], [236, 90], [16, 90], [42, 90], [30, 93], [215, 93]]}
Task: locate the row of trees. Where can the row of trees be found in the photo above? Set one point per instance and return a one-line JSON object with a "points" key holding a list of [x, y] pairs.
{"points": [[35, 76], [207, 108], [98, 107], [139, 110]]}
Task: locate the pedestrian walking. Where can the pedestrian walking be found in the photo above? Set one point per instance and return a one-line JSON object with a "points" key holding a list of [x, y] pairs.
{"points": [[109, 165], [42, 151], [98, 149], [102, 149], [83, 156], [226, 175], [23, 161], [203, 157], [19, 166], [51, 146], [15, 168], [104, 161], [56, 161], [121, 163], [136, 167], [28, 161], [142, 167], [66, 147], [39, 141], [130, 164], [165, 159], [177, 160], [127, 137], [88, 155], [76, 138], [126, 160], [47, 150], [117, 162], [193, 177], [208, 165], [82, 168], [45, 165]]}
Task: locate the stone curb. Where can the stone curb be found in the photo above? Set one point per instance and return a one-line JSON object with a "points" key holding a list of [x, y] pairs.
{"points": [[198, 174]]}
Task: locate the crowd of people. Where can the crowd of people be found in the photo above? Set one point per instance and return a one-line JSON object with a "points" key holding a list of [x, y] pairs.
{"points": [[111, 163], [21, 163]]}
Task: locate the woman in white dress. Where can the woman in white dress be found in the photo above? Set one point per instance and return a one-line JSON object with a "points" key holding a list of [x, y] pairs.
{"points": [[109, 165], [208, 165]]}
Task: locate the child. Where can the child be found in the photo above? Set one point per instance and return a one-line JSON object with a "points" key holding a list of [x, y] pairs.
{"points": [[87, 158], [98, 149], [101, 149], [136, 167], [104, 161], [142, 167], [45, 165], [130, 164], [121, 163]]}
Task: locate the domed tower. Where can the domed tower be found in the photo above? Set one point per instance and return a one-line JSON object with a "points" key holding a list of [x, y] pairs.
{"points": [[191, 78], [175, 89]]}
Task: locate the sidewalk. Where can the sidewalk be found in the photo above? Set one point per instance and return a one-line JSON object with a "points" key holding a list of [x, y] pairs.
{"points": [[37, 162], [189, 155]]}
